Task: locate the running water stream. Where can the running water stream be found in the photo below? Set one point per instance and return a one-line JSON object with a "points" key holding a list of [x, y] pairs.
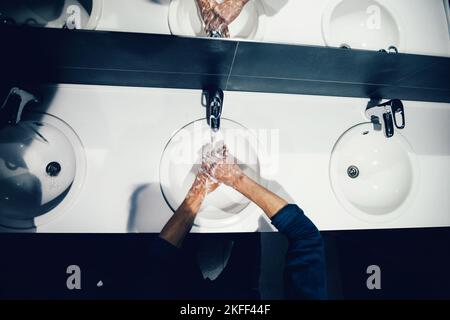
{"points": [[212, 153]]}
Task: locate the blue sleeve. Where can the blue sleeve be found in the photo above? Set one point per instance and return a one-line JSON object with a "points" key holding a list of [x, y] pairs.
{"points": [[305, 260]]}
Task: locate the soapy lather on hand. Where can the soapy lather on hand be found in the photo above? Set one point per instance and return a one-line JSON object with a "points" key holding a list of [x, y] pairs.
{"points": [[218, 16], [220, 165]]}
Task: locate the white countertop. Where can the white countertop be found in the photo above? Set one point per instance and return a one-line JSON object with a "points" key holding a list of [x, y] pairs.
{"points": [[124, 131]]}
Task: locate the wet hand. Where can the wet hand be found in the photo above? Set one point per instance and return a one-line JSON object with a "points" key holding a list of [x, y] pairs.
{"points": [[224, 167], [207, 10], [229, 10], [217, 24], [202, 185], [212, 21]]}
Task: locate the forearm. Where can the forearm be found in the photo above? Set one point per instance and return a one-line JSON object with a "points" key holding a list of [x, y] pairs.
{"points": [[229, 10], [268, 201], [182, 220], [206, 9]]}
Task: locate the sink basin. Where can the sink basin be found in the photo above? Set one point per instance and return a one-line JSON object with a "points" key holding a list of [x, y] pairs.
{"points": [[372, 176], [185, 19], [42, 166], [361, 24], [84, 14], [181, 160]]}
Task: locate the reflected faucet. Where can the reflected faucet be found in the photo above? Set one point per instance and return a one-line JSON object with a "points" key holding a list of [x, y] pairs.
{"points": [[214, 102], [12, 108], [392, 113]]}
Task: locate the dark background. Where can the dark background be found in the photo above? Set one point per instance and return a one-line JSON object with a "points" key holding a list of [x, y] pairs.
{"points": [[415, 263]]}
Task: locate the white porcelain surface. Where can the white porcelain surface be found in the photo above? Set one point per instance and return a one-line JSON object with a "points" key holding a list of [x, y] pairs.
{"points": [[121, 191], [54, 13], [362, 24], [135, 16], [88, 20], [28, 192], [182, 158], [386, 173], [184, 19]]}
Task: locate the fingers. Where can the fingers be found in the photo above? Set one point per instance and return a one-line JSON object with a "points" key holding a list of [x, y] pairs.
{"points": [[206, 9], [211, 20], [212, 3], [217, 24], [227, 157], [224, 151], [206, 5], [208, 170], [212, 186], [228, 10], [226, 32]]}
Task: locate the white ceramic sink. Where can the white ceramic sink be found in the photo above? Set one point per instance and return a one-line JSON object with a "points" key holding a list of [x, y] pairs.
{"points": [[181, 160], [80, 14], [372, 176], [361, 24], [42, 166], [185, 19]]}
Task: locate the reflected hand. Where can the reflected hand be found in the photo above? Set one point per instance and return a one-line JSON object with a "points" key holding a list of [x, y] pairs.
{"points": [[206, 9], [217, 24], [212, 21], [229, 10]]}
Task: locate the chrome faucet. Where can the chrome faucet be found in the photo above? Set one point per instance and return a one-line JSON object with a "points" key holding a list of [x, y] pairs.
{"points": [[12, 108], [214, 102], [392, 113]]}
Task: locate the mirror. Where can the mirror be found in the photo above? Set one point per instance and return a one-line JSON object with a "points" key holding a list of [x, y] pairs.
{"points": [[393, 26]]}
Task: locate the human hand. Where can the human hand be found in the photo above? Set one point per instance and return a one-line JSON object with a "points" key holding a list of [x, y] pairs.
{"points": [[206, 8], [202, 185], [217, 24], [182, 220], [212, 21], [229, 10], [223, 167]]}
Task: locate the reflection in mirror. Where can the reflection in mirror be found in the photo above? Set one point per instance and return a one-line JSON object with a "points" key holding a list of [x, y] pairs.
{"points": [[241, 19], [386, 26], [67, 14]]}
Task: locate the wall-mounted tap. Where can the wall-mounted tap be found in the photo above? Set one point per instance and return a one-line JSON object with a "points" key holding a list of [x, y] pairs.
{"points": [[216, 34], [214, 102], [13, 106], [392, 113]]}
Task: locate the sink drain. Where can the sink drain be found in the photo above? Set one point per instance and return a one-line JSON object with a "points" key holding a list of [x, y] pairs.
{"points": [[53, 169], [353, 172]]}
